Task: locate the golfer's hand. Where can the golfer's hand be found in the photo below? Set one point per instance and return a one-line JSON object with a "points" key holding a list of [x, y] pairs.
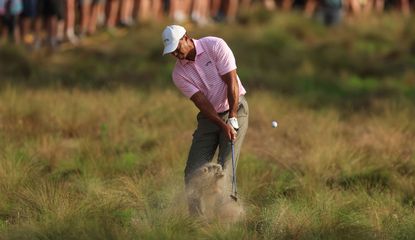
{"points": [[230, 132], [233, 126], [233, 121]]}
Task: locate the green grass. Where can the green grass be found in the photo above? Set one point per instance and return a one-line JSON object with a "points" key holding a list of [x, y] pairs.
{"points": [[93, 140]]}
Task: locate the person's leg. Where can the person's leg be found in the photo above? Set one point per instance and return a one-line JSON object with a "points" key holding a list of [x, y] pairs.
{"points": [[85, 16], [231, 10], [157, 9], [129, 12], [7, 20], [122, 13], [355, 7], [379, 6], [52, 14], [225, 150], [269, 4], [179, 10], [367, 7], [204, 145], [246, 4], [144, 10], [61, 29], [37, 42], [95, 10], [287, 5], [172, 8], [15, 31], [215, 8], [112, 13], [195, 11], [126, 12], [10, 24], [205, 12], [186, 6], [12, 18], [310, 8], [70, 21], [405, 7], [52, 25], [25, 22], [3, 30]]}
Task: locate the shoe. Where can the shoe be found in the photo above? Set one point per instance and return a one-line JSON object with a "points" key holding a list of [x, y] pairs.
{"points": [[72, 38], [53, 43], [37, 44]]}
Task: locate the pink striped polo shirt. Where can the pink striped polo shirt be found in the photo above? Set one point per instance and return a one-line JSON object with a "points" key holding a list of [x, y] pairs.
{"points": [[213, 59]]}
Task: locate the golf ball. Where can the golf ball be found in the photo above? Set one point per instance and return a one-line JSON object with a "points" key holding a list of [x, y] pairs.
{"points": [[274, 124]]}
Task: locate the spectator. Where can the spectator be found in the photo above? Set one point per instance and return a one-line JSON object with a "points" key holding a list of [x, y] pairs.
{"points": [[85, 6], [231, 9], [269, 4], [51, 11], [122, 12], [70, 22], [126, 13], [216, 10], [180, 9], [2, 27], [95, 13], [9, 14], [310, 7], [157, 9], [379, 5], [27, 18], [148, 9], [200, 12], [330, 11], [112, 11], [405, 7]]}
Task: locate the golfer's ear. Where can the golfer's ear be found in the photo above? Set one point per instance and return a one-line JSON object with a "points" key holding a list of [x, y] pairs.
{"points": [[205, 169], [186, 37]]}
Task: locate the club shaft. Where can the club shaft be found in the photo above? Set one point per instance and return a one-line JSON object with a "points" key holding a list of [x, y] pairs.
{"points": [[233, 170]]}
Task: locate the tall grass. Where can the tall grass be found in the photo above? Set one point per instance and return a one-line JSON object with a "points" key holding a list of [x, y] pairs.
{"points": [[114, 170], [92, 149]]}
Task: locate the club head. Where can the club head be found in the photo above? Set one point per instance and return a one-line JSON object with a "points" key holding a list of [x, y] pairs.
{"points": [[234, 197]]}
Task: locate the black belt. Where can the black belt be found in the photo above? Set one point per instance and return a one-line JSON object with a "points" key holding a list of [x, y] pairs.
{"points": [[223, 113]]}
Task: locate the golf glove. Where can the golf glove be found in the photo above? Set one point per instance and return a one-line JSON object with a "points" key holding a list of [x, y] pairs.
{"points": [[234, 123]]}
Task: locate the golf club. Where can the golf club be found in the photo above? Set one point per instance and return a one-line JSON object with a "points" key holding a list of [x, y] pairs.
{"points": [[233, 195]]}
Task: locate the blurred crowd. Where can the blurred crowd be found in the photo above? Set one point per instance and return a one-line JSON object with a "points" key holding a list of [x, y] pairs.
{"points": [[39, 23]]}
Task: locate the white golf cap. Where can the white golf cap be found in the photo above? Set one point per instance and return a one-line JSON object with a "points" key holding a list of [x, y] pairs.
{"points": [[171, 37]]}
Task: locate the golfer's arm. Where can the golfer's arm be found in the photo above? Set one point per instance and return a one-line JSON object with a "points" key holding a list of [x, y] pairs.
{"points": [[231, 81], [207, 109]]}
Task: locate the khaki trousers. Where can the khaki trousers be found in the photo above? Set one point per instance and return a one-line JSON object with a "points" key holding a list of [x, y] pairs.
{"points": [[208, 137]]}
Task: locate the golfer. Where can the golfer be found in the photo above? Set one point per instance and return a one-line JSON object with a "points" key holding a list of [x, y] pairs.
{"points": [[205, 72]]}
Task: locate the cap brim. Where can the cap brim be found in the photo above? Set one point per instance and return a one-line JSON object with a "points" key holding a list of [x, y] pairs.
{"points": [[170, 48]]}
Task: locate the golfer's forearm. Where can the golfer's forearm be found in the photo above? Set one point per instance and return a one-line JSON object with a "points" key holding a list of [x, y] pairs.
{"points": [[233, 92], [233, 99], [206, 108]]}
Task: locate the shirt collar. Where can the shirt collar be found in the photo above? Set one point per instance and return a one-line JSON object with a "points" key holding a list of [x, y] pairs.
{"points": [[199, 50]]}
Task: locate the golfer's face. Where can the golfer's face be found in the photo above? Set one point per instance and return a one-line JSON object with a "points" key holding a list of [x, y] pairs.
{"points": [[180, 52]]}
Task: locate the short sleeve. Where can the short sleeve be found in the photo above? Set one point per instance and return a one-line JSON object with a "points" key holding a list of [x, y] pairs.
{"points": [[225, 60], [184, 85]]}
